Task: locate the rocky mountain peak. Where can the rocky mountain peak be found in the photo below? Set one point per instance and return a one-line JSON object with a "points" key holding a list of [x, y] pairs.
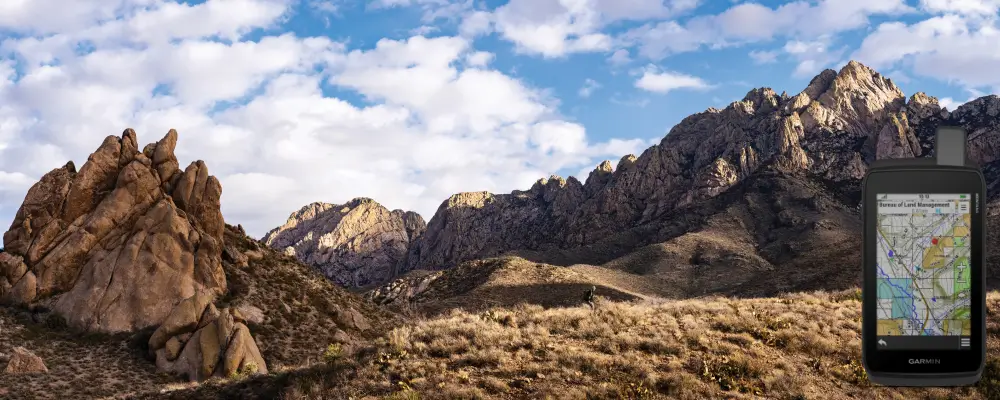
{"points": [[838, 124], [355, 244], [761, 100], [600, 175], [116, 245]]}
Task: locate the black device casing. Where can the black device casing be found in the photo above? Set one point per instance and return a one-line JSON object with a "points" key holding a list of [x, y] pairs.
{"points": [[918, 378]]}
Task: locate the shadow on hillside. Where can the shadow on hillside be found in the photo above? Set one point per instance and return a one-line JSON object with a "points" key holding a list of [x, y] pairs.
{"points": [[545, 295]]}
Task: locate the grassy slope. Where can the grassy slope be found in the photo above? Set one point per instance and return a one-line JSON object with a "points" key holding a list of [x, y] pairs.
{"points": [[83, 366], [798, 346], [80, 365], [290, 336]]}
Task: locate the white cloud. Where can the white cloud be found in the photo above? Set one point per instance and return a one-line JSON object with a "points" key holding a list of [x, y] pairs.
{"points": [[752, 22], [949, 103], [655, 80], [256, 112], [967, 7], [476, 23], [424, 30], [589, 86], [950, 48], [479, 58], [812, 56], [325, 6], [554, 28], [619, 57], [764, 57]]}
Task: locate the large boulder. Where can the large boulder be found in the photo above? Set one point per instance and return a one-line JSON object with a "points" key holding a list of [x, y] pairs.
{"points": [[116, 245], [357, 244], [198, 341]]}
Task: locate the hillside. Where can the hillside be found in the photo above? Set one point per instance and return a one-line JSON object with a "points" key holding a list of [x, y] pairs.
{"points": [[357, 244], [797, 346], [300, 313]]}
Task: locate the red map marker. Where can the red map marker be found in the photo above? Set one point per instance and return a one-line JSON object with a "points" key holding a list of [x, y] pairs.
{"points": [[934, 241]]}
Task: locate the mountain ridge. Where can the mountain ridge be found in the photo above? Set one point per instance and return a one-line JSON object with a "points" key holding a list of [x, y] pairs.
{"points": [[831, 131]]}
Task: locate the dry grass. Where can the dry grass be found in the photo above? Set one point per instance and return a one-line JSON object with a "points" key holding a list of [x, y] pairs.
{"points": [[299, 305], [798, 346], [80, 366], [299, 308]]}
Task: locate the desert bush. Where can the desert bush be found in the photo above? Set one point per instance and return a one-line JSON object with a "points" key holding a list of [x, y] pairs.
{"points": [[333, 352]]}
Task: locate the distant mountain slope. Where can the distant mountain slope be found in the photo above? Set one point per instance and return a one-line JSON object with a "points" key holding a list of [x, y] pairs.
{"points": [[357, 244], [773, 232], [830, 131], [753, 199]]}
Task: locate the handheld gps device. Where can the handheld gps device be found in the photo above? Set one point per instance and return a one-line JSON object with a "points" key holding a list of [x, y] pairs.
{"points": [[924, 301]]}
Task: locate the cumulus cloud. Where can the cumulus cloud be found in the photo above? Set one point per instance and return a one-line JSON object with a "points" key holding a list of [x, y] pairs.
{"points": [[619, 57], [812, 56], [950, 48], [261, 114], [654, 79], [751, 23], [479, 58], [554, 28], [965, 7]]}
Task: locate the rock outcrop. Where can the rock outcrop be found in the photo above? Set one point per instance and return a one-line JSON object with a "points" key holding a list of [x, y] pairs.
{"points": [[403, 289], [832, 130], [116, 245], [199, 341], [23, 361], [357, 244]]}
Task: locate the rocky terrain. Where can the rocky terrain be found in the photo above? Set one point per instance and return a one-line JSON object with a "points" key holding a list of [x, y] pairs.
{"points": [[123, 278], [114, 246], [356, 245]]}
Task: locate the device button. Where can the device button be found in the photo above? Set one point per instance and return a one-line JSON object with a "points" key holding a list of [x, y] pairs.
{"points": [[881, 342], [966, 342]]}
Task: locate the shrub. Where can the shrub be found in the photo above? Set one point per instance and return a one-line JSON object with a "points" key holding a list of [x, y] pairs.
{"points": [[333, 352]]}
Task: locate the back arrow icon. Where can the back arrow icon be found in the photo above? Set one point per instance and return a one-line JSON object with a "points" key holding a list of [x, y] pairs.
{"points": [[882, 342]]}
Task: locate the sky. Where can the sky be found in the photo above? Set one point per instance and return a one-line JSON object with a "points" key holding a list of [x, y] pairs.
{"points": [[410, 101]]}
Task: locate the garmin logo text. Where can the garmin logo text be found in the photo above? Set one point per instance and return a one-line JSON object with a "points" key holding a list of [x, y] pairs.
{"points": [[925, 361]]}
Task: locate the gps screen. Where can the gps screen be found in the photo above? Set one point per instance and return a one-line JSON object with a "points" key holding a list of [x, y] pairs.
{"points": [[924, 279]]}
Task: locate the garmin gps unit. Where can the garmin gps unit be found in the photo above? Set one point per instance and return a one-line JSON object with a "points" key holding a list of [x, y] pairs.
{"points": [[923, 292]]}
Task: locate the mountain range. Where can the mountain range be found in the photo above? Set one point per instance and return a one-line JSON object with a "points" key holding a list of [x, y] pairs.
{"points": [[756, 199]]}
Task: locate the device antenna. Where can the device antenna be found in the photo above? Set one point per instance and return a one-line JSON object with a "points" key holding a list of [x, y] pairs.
{"points": [[949, 147]]}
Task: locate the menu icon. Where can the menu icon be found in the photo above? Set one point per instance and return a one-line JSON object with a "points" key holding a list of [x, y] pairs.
{"points": [[966, 342]]}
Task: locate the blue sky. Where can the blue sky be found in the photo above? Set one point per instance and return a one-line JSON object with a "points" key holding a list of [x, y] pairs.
{"points": [[614, 107], [410, 101]]}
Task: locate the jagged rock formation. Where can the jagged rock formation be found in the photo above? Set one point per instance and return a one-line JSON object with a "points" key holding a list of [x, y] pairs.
{"points": [[356, 244], [199, 341], [23, 361], [829, 132], [403, 289], [116, 245]]}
